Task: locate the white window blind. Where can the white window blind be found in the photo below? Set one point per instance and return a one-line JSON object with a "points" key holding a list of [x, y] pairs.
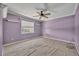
{"points": [[27, 27]]}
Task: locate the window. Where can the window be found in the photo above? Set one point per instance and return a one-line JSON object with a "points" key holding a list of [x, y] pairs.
{"points": [[27, 27]]}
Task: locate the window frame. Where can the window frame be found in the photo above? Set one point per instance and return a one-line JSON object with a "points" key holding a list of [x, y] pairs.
{"points": [[31, 29]]}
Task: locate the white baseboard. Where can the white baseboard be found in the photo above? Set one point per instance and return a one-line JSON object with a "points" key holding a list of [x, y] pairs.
{"points": [[76, 45], [14, 42], [58, 39], [20, 41]]}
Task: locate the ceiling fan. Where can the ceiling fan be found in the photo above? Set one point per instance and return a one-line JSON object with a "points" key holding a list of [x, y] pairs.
{"points": [[42, 13]]}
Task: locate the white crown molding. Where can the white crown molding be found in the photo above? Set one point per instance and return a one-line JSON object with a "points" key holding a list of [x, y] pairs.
{"points": [[20, 15], [75, 9], [74, 12]]}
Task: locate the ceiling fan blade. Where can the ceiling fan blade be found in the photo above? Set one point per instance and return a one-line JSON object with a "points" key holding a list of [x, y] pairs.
{"points": [[45, 16], [36, 16], [48, 14], [38, 13]]}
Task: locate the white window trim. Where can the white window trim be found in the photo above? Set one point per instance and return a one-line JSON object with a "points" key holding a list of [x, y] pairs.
{"points": [[26, 24]]}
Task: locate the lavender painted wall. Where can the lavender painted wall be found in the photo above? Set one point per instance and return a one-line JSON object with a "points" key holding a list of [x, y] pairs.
{"points": [[12, 29], [77, 29], [61, 28], [1, 33], [1, 36]]}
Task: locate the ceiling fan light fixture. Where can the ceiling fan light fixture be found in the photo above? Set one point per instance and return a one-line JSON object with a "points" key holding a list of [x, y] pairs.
{"points": [[42, 13]]}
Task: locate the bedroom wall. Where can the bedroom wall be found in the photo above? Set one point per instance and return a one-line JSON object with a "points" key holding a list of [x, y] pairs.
{"points": [[77, 29], [12, 29], [60, 28], [1, 32], [1, 36]]}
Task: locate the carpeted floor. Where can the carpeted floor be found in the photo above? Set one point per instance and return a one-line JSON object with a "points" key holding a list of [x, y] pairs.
{"points": [[40, 47]]}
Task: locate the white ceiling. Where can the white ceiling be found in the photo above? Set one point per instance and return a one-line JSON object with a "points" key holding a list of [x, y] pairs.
{"points": [[56, 9]]}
